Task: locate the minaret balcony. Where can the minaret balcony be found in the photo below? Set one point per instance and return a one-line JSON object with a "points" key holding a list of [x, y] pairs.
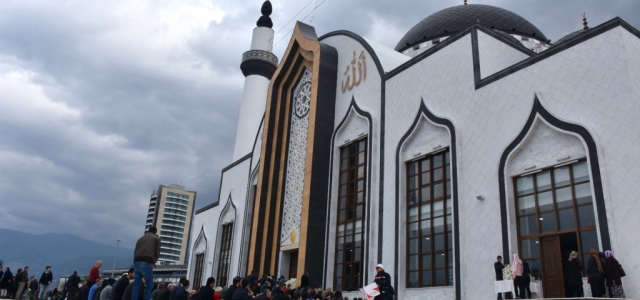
{"points": [[259, 62]]}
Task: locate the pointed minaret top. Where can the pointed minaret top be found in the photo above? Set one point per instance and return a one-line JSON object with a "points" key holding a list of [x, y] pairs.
{"points": [[584, 21], [265, 20]]}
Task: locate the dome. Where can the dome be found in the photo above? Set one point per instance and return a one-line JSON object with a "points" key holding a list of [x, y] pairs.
{"points": [[454, 19], [570, 36]]}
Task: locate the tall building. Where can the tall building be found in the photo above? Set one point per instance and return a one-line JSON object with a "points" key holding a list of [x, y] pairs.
{"points": [[474, 137], [171, 211]]}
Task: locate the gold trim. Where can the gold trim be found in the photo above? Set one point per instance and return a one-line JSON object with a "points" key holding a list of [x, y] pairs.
{"points": [[309, 51]]}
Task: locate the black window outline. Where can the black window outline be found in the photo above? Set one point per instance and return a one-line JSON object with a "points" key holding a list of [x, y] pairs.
{"points": [[352, 189]]}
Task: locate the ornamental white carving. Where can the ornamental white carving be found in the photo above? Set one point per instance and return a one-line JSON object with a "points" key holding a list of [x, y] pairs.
{"points": [[296, 163]]}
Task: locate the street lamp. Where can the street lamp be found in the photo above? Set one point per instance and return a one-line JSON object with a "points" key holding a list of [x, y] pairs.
{"points": [[114, 259]]}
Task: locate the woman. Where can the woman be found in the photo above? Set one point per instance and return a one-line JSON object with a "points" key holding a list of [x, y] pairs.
{"points": [[6, 283], [525, 282], [595, 271], [612, 273], [516, 269], [574, 274]]}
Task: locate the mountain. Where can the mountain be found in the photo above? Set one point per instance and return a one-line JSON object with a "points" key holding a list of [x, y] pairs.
{"points": [[63, 252]]}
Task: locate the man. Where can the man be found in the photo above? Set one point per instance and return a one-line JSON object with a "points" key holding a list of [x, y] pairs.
{"points": [[305, 280], [181, 290], [45, 281], [33, 289], [156, 292], [164, 295], [118, 290], [72, 285], [172, 295], [105, 294], [498, 266], [145, 256], [24, 280], [243, 292], [206, 292], [129, 295], [93, 288], [94, 274], [264, 296], [232, 288], [383, 280]]}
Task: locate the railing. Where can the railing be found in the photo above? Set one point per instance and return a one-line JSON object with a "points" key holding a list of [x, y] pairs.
{"points": [[261, 55]]}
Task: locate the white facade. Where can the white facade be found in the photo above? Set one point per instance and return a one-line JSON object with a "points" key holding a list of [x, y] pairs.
{"points": [[500, 111]]}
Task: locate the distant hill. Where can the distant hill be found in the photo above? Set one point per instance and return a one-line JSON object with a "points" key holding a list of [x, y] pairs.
{"points": [[63, 252]]}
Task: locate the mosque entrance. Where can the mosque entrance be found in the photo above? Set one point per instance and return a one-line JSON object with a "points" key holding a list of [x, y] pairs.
{"points": [[293, 265], [555, 213], [555, 254]]}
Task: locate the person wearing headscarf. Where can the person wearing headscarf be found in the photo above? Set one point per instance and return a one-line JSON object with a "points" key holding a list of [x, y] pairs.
{"points": [[516, 269], [574, 274], [595, 271], [612, 273]]}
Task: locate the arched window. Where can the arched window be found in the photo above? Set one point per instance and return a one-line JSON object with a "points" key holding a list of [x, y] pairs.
{"points": [[429, 221]]}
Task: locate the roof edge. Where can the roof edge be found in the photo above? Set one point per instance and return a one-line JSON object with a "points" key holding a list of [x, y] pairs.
{"points": [[360, 40]]}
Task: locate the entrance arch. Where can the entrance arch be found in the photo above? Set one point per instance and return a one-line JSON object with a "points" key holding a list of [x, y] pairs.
{"points": [[551, 196]]}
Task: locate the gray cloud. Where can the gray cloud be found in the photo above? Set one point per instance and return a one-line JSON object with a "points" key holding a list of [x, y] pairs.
{"points": [[101, 102]]}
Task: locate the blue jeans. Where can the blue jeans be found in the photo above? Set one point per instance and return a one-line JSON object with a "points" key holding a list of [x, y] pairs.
{"points": [[43, 291], [142, 269]]}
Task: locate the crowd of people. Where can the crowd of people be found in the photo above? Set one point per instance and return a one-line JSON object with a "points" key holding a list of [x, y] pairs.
{"points": [[23, 286], [138, 284], [604, 275]]}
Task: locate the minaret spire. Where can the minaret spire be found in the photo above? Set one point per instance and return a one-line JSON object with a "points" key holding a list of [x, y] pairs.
{"points": [[584, 21], [265, 20], [258, 65]]}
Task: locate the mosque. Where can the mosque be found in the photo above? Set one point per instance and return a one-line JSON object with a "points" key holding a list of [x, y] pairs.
{"points": [[476, 136]]}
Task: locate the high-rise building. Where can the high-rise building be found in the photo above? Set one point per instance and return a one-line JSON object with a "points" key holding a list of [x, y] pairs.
{"points": [[171, 211]]}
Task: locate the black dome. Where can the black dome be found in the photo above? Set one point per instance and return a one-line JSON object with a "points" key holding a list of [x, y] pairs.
{"points": [[454, 19], [570, 36]]}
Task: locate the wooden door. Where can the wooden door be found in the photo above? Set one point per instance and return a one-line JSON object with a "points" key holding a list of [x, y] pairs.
{"points": [[552, 277], [293, 265]]}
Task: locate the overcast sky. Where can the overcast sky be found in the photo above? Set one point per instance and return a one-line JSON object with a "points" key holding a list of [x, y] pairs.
{"points": [[102, 101]]}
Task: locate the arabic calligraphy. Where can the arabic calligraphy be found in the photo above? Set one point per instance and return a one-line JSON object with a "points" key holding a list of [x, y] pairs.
{"points": [[357, 67]]}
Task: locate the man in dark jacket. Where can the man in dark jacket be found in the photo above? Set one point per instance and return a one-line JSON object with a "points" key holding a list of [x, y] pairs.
{"points": [[243, 292], [206, 292], [145, 256], [121, 285], [181, 290], [498, 267], [72, 285], [304, 281], [164, 295], [45, 281], [33, 287], [232, 288], [22, 282], [383, 280]]}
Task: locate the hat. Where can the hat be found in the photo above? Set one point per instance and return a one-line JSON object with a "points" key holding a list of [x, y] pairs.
{"points": [[380, 266]]}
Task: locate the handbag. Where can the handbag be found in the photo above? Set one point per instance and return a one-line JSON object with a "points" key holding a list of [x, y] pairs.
{"points": [[621, 271]]}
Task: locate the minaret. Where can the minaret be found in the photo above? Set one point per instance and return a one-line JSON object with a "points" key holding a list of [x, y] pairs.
{"points": [[258, 65]]}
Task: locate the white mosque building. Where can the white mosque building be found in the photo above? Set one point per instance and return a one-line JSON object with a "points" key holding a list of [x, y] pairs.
{"points": [[475, 137]]}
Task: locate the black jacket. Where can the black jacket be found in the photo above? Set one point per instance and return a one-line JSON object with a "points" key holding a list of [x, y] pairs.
{"points": [[206, 293], [241, 294], [164, 295], [74, 279], [304, 281], [498, 266], [46, 278], [574, 272], [119, 288], [592, 270], [230, 292]]}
